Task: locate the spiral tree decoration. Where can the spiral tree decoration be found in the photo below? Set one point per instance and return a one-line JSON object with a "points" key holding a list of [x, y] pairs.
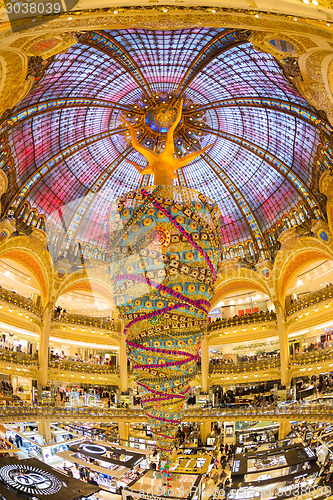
{"points": [[165, 246]]}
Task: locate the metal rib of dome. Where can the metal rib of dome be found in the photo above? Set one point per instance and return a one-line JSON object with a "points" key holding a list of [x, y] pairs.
{"points": [[70, 148]]}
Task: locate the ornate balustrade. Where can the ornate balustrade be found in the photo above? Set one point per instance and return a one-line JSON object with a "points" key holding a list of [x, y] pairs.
{"points": [[244, 366], [18, 358], [79, 319], [310, 298], [298, 412], [81, 366], [20, 301], [242, 320], [316, 356]]}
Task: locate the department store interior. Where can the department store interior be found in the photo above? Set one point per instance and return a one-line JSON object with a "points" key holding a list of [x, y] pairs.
{"points": [[166, 250]]}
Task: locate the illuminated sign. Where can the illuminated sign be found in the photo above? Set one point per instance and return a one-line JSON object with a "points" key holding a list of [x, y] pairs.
{"points": [[30, 480], [93, 448], [236, 466], [309, 452]]}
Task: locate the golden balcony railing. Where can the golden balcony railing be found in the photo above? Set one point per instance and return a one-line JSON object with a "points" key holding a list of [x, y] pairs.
{"points": [[312, 357], [310, 299], [20, 358], [82, 367], [299, 412], [80, 319], [20, 301], [242, 320], [244, 366]]}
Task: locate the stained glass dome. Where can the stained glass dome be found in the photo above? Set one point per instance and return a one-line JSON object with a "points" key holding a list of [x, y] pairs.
{"points": [[69, 153]]}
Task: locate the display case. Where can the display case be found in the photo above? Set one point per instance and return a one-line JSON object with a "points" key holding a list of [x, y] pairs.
{"points": [[153, 486], [271, 474]]}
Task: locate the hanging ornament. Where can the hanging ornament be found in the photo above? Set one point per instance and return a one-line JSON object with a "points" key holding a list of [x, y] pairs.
{"points": [[165, 246]]}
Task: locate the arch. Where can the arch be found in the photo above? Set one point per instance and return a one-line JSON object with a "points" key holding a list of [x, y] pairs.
{"points": [[31, 253], [316, 67], [294, 256], [233, 279], [92, 282], [14, 85]]}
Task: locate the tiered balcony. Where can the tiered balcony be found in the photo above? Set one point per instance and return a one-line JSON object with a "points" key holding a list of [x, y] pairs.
{"points": [[242, 320], [224, 367], [297, 412], [79, 319], [20, 301], [82, 367], [312, 357], [20, 358], [310, 299]]}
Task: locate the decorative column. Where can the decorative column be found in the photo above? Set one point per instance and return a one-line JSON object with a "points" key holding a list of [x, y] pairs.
{"points": [[123, 429], [204, 363], [7, 226], [284, 345], [326, 187], [205, 429], [284, 429], [123, 376], [43, 352], [44, 430]]}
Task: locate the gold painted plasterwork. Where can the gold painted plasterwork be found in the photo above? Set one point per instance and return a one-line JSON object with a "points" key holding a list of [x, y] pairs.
{"points": [[301, 33]]}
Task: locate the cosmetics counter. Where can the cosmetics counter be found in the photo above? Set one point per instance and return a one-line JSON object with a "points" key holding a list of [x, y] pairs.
{"points": [[30, 446], [322, 441], [152, 485], [90, 431], [274, 474], [252, 436], [7, 448], [183, 480], [111, 466], [211, 446], [263, 446], [195, 464], [304, 390]]}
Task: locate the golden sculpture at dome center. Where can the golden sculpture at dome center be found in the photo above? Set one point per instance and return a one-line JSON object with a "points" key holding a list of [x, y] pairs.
{"points": [[163, 165]]}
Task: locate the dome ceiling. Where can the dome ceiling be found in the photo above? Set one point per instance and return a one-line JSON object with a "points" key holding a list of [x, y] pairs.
{"points": [[72, 154]]}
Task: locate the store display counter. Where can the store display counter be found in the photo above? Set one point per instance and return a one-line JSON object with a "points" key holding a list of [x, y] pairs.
{"points": [[257, 435], [305, 391], [274, 459], [280, 487], [30, 446], [153, 486], [266, 474], [112, 466], [6, 447], [191, 464], [248, 449], [141, 443]]}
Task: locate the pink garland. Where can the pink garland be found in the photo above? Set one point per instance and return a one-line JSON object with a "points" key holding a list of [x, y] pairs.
{"points": [[183, 231]]}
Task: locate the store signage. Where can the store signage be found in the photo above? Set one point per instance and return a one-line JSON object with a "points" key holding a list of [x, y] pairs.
{"points": [[308, 435], [30, 480], [309, 452], [93, 448], [235, 466]]}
